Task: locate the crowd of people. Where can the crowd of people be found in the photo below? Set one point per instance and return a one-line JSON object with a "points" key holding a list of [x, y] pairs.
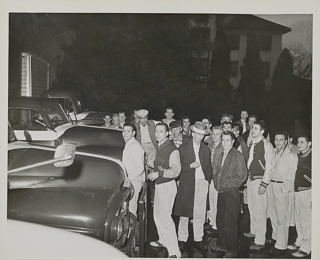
{"points": [[207, 174]]}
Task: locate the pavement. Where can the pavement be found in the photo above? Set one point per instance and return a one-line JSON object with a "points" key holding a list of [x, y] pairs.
{"points": [[211, 240]]}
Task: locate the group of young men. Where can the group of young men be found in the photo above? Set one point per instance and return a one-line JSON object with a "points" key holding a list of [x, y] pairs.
{"points": [[200, 173]]}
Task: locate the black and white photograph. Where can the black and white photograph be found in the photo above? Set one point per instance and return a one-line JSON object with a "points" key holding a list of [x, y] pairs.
{"points": [[159, 129]]}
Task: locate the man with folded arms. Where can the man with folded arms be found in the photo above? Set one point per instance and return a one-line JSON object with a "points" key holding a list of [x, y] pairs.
{"points": [[261, 169], [191, 200]]}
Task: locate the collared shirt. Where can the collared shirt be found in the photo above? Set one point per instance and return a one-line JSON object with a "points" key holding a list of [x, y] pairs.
{"points": [[213, 148], [199, 172], [251, 149], [145, 135], [244, 126], [250, 138], [133, 159], [224, 156]]}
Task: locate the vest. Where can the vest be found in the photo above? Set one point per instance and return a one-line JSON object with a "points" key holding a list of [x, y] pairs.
{"points": [[152, 132], [162, 159], [257, 168]]}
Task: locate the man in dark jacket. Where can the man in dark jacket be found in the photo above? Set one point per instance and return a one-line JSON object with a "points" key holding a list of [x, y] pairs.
{"points": [[192, 193], [176, 134], [230, 173]]}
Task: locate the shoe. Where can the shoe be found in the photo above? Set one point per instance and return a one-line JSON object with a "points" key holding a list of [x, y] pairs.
{"points": [[229, 255], [181, 245], [218, 249], [200, 244], [211, 231], [271, 241], [300, 254], [156, 244], [207, 226], [172, 256], [256, 247], [276, 251], [249, 235], [293, 247]]}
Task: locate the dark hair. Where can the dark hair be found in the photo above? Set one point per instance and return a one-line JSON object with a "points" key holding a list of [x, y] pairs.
{"points": [[244, 110], [262, 124], [233, 137], [239, 126], [284, 133], [165, 125], [226, 123], [256, 117], [227, 115], [216, 127], [185, 117], [306, 136], [208, 118], [131, 125], [169, 108]]}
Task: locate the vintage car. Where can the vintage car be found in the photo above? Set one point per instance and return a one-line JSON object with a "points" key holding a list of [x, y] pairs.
{"points": [[71, 104], [43, 121], [82, 192]]}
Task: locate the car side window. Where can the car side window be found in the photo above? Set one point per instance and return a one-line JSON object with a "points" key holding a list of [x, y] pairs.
{"points": [[26, 119]]}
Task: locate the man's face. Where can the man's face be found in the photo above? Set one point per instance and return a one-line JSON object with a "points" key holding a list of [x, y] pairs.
{"points": [[122, 117], [161, 133], [236, 131], [216, 135], [176, 131], [115, 120], [107, 119], [225, 119], [197, 137], [169, 113], [227, 127], [256, 131], [227, 142], [186, 123], [244, 115], [206, 122], [127, 133], [302, 144], [251, 121], [280, 142], [143, 120]]}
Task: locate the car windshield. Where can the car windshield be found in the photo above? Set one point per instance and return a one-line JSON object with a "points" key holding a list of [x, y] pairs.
{"points": [[56, 115]]}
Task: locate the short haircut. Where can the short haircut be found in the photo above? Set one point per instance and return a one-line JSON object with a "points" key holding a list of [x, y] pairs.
{"points": [[165, 125], [208, 118], [217, 127], [107, 115], [284, 133], [115, 114], [233, 137], [227, 115], [169, 108], [239, 127], [262, 124], [256, 117], [122, 112], [131, 125], [306, 136], [226, 123], [185, 117], [244, 110]]}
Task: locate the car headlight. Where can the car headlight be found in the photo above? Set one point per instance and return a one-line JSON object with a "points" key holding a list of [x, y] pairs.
{"points": [[116, 229]]}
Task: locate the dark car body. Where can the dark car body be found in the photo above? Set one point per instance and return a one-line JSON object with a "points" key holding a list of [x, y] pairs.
{"points": [[87, 197], [44, 121], [70, 102]]}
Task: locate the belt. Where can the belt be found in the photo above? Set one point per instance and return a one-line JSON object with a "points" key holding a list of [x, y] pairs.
{"points": [[276, 181], [252, 178]]}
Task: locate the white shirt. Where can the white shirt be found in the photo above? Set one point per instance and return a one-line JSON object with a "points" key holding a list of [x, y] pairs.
{"points": [[145, 135], [199, 172]]}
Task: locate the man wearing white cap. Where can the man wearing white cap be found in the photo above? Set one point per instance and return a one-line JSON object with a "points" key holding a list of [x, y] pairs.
{"points": [[191, 200], [146, 136]]}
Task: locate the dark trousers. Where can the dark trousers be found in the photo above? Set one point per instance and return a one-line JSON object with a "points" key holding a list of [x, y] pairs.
{"points": [[228, 210]]}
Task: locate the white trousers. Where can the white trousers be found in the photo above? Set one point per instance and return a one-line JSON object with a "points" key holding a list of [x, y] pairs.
{"points": [[199, 213], [303, 219], [279, 211], [164, 196], [133, 203], [257, 205], [213, 200]]}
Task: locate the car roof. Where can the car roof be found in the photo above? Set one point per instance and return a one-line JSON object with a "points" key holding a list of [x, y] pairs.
{"points": [[30, 102]]}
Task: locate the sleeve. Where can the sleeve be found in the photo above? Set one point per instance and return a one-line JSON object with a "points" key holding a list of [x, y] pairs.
{"points": [[291, 165], [138, 161], [239, 173], [174, 166], [270, 163]]}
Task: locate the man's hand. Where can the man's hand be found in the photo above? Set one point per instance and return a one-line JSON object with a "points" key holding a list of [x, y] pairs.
{"points": [[194, 165], [152, 176], [126, 182], [261, 190]]}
